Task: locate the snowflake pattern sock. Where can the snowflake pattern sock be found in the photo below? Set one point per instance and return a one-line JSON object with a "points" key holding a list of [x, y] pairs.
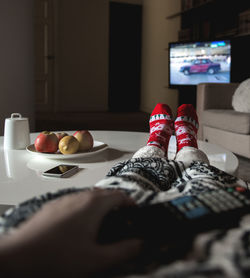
{"points": [[186, 127], [161, 127]]}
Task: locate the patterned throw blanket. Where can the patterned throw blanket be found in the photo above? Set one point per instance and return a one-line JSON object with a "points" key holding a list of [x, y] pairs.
{"points": [[218, 253]]}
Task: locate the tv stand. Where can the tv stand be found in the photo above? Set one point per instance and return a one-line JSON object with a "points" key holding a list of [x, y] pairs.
{"points": [[187, 95]]}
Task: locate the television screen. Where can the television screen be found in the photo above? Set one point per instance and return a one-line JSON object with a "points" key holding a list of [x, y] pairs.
{"points": [[198, 62]]}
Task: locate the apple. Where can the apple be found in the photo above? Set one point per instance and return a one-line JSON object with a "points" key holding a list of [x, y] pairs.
{"points": [[46, 142], [68, 145], [60, 135], [85, 139]]}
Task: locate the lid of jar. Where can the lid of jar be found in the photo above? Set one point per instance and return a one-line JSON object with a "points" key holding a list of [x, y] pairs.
{"points": [[16, 117]]}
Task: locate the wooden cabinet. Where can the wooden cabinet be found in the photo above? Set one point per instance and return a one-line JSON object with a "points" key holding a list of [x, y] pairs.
{"points": [[213, 19]]}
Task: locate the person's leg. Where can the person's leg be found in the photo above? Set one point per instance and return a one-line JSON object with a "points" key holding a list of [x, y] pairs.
{"points": [[186, 127], [190, 154], [148, 169], [161, 128]]}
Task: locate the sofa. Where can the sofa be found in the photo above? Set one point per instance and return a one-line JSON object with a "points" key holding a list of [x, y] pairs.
{"points": [[219, 123]]}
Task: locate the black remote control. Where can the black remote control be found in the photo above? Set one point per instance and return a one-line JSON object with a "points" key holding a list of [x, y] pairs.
{"points": [[184, 216]]}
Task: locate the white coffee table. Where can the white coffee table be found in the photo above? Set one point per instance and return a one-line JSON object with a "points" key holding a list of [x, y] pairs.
{"points": [[21, 172]]}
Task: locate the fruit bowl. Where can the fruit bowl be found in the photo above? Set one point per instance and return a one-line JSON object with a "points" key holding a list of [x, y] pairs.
{"points": [[98, 147]]}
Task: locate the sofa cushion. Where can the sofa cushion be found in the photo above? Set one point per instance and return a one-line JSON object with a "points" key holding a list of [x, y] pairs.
{"points": [[227, 119], [241, 97]]}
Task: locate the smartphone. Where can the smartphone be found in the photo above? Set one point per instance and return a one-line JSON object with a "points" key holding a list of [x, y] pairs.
{"points": [[61, 171]]}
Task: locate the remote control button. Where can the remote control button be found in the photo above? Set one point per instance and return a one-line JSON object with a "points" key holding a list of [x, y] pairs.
{"points": [[232, 198], [224, 207], [247, 201], [197, 212], [237, 203], [242, 197], [236, 193], [215, 209], [182, 200], [240, 189], [200, 197], [190, 206], [197, 203], [209, 196], [182, 209], [222, 198], [230, 205]]}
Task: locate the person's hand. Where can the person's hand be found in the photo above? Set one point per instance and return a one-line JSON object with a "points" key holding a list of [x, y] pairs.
{"points": [[61, 239]]}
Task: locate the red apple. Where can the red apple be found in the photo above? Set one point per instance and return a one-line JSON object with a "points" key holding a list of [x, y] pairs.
{"points": [[46, 142], [60, 135], [85, 139]]}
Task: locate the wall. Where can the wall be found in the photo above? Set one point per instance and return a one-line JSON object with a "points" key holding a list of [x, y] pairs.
{"points": [[82, 55], [157, 32], [16, 56]]}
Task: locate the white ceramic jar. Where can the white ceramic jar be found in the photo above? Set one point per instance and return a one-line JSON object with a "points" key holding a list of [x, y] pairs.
{"points": [[16, 132]]}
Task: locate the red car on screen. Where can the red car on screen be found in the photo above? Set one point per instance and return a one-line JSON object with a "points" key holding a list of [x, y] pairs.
{"points": [[201, 65]]}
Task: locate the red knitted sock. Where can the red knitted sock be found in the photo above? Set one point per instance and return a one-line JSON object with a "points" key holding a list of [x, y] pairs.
{"points": [[161, 126], [186, 127]]}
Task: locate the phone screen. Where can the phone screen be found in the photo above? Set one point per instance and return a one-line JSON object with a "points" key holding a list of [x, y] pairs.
{"points": [[61, 170]]}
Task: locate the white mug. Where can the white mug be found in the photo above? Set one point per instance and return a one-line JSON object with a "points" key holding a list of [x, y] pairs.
{"points": [[16, 132]]}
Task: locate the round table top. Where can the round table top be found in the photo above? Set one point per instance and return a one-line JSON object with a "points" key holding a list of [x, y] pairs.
{"points": [[21, 171]]}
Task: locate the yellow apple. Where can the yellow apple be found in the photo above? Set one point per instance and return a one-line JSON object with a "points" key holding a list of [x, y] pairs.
{"points": [[85, 139], [68, 145]]}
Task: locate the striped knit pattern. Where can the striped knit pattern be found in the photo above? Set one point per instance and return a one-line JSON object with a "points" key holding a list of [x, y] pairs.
{"points": [[188, 120], [160, 117]]}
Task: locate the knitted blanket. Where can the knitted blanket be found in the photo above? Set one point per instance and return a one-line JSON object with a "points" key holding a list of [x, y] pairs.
{"points": [[218, 253]]}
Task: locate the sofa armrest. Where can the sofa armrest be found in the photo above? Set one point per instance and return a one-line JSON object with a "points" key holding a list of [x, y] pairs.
{"points": [[213, 96]]}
